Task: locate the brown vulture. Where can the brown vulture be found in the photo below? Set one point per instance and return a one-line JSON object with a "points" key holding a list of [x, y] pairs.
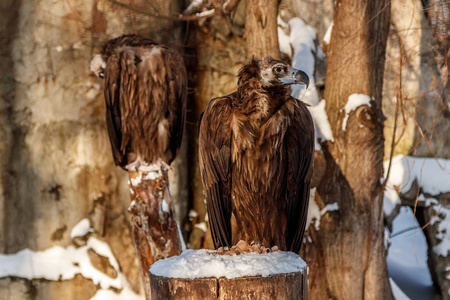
{"points": [[145, 94], [256, 157]]}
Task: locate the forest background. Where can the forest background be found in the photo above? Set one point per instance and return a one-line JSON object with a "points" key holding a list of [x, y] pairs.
{"points": [[64, 203]]}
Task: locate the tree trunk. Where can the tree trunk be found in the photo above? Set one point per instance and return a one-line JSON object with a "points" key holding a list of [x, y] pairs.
{"points": [[280, 286], [346, 257], [261, 33], [155, 230], [56, 165]]}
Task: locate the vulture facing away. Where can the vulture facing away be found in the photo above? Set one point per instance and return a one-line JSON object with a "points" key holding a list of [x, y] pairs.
{"points": [[256, 157], [145, 94]]}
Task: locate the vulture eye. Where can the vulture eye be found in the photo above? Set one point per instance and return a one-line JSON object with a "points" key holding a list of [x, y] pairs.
{"points": [[279, 69]]}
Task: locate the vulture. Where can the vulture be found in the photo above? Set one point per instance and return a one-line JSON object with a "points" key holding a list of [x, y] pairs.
{"points": [[256, 158], [145, 89]]}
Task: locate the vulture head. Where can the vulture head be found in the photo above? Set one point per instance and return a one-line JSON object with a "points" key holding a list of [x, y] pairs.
{"points": [[269, 73], [98, 65]]}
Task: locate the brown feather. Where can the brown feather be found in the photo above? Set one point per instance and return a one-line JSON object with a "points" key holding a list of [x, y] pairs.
{"points": [[145, 93], [256, 156]]}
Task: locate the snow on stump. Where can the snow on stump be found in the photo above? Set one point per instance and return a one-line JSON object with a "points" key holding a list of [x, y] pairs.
{"points": [[198, 274]]}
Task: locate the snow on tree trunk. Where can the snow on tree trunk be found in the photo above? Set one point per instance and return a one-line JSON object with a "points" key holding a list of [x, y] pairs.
{"points": [[155, 230], [346, 256]]}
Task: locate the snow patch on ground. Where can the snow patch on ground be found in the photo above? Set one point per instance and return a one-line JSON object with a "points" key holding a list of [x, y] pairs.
{"points": [[354, 101], [202, 264], [407, 257], [398, 293], [59, 263]]}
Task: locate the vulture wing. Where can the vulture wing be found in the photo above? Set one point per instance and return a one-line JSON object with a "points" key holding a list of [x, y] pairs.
{"points": [[300, 151], [177, 98], [113, 115], [215, 163]]}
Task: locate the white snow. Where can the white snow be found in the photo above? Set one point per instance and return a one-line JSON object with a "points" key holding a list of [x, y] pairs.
{"points": [[299, 45], [322, 125], [180, 235], [432, 175], [354, 101], [329, 207], [192, 214], [407, 257], [206, 13], [302, 41], [398, 293], [165, 206], [136, 181], [202, 226], [313, 211], [81, 229], [443, 230], [327, 36], [59, 263], [202, 264], [283, 39], [195, 5]]}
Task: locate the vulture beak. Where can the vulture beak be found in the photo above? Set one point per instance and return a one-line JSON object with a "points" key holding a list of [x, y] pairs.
{"points": [[295, 77]]}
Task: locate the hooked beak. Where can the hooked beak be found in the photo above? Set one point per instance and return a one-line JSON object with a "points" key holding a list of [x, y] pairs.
{"points": [[295, 77]]}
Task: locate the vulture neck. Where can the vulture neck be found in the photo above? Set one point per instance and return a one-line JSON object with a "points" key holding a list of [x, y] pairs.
{"points": [[260, 103]]}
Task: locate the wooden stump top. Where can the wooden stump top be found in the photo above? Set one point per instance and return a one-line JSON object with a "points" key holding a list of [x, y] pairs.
{"points": [[276, 275]]}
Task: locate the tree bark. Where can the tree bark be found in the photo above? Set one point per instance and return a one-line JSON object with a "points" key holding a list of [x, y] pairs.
{"points": [[280, 286], [346, 257], [155, 230], [261, 33]]}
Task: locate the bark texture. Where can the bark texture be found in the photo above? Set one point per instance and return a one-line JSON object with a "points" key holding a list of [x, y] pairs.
{"points": [[415, 89], [281, 286], [261, 33], [347, 257], [155, 230]]}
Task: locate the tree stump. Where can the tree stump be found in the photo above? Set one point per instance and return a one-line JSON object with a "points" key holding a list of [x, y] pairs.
{"points": [[292, 285], [155, 231]]}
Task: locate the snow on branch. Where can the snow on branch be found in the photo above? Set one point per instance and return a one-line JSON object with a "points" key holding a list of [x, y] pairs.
{"points": [[430, 174], [354, 101]]}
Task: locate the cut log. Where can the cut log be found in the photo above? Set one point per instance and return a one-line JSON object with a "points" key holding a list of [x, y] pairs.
{"points": [[209, 276], [280, 286], [155, 231]]}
